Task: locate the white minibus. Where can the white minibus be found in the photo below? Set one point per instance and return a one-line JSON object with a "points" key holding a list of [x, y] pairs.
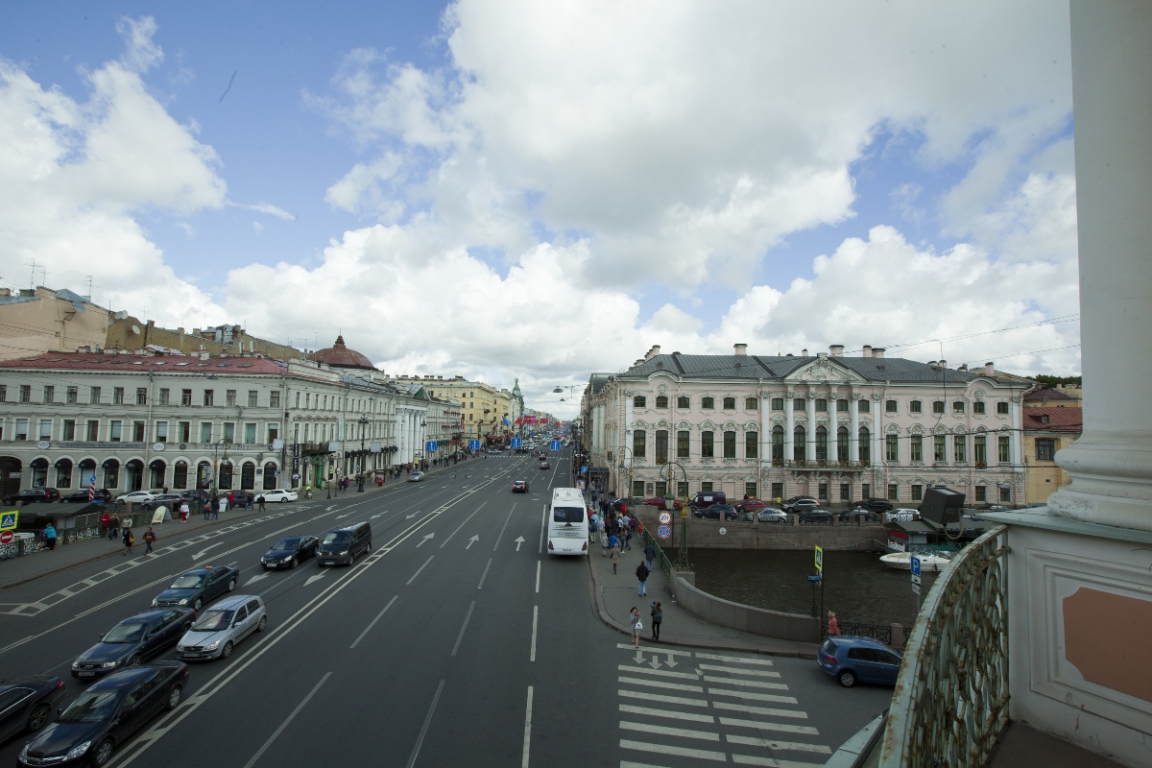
{"points": [[567, 523]]}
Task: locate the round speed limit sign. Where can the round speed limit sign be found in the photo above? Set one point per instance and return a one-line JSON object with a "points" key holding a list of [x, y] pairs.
{"points": [[665, 517]]}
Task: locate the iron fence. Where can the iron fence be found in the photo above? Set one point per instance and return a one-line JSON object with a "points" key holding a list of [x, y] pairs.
{"points": [[881, 632], [951, 698], [661, 558]]}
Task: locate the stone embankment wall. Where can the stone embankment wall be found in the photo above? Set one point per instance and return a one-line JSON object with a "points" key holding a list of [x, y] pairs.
{"points": [[705, 534], [777, 624]]}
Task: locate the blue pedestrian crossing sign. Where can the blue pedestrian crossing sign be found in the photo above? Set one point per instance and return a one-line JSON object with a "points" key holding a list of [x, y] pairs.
{"points": [[430, 446], [554, 445], [473, 445], [914, 565], [8, 520], [516, 442]]}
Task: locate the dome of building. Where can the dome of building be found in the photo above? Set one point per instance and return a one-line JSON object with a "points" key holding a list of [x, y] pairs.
{"points": [[339, 356]]}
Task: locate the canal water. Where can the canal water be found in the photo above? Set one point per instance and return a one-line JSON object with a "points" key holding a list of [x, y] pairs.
{"points": [[857, 586]]}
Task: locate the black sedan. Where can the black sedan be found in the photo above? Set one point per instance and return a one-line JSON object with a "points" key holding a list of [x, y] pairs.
{"points": [[874, 505], [32, 496], [197, 587], [520, 486], [81, 497], [287, 553], [815, 517], [106, 715], [26, 704], [718, 512], [134, 640]]}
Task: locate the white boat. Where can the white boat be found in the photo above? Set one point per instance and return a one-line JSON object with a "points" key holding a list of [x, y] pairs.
{"points": [[903, 561]]}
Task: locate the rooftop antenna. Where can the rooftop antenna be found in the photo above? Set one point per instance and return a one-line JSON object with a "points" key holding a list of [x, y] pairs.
{"points": [[32, 277], [89, 296]]}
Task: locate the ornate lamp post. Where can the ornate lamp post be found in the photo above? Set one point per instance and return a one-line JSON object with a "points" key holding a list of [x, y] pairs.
{"points": [[363, 422], [682, 563]]}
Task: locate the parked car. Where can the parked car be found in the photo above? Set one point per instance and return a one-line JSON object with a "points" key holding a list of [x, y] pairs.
{"points": [[520, 486], [199, 586], [416, 477], [281, 495], [26, 704], [240, 498], [704, 499], [107, 714], [851, 659], [874, 505], [287, 553], [340, 546], [815, 517], [32, 496], [162, 500], [101, 496], [135, 639], [222, 626], [662, 503], [718, 512], [771, 515], [137, 497], [798, 503], [751, 505]]}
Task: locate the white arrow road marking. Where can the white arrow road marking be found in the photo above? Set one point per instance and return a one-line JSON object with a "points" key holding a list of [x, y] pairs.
{"points": [[204, 551], [519, 541], [472, 541], [671, 661], [257, 577], [409, 517], [655, 663], [330, 508], [424, 540], [317, 577], [639, 657]]}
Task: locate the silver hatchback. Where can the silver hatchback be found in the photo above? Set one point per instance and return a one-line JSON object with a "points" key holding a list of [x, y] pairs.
{"points": [[223, 625]]}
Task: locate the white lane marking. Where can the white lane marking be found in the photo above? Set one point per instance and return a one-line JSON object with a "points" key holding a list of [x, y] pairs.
{"points": [[660, 651], [462, 525], [669, 713], [661, 684], [738, 671], [753, 696], [257, 577], [786, 746], [527, 730], [630, 764], [378, 617], [519, 541], [746, 683], [543, 522], [662, 730], [485, 574], [424, 728], [770, 711], [463, 627], [475, 538], [204, 551], [317, 577], [658, 672], [662, 749], [501, 534], [420, 569], [771, 763], [537, 577], [535, 619], [736, 659], [426, 539], [766, 726], [284, 724], [645, 696]]}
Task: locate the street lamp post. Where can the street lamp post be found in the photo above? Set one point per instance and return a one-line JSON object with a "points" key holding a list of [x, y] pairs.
{"points": [[620, 473], [360, 477], [682, 563]]}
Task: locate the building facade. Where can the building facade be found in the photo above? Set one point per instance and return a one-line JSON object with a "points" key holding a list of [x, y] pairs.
{"points": [[35, 320], [482, 408], [834, 427], [1047, 429]]}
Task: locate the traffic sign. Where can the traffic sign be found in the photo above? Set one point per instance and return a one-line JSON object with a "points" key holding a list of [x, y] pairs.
{"points": [[6, 537], [665, 517], [473, 445], [430, 446], [516, 443], [820, 560], [914, 565], [664, 531], [554, 445], [915, 579], [8, 520], [915, 588]]}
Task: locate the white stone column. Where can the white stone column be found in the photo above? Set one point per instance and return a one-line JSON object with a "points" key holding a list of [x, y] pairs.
{"points": [[854, 429], [810, 428], [790, 427], [1111, 464]]}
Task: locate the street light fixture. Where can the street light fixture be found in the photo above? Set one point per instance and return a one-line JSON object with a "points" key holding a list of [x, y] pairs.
{"points": [[682, 563]]}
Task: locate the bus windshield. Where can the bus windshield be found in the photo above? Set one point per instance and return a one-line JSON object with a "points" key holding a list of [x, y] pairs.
{"points": [[568, 514]]}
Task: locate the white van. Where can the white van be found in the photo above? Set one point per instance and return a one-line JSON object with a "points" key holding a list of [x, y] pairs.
{"points": [[568, 523]]}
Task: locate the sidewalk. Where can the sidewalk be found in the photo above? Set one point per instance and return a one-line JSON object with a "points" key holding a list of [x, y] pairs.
{"points": [[616, 594]]}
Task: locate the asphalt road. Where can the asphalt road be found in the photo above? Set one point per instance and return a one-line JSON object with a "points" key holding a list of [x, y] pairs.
{"points": [[456, 642]]}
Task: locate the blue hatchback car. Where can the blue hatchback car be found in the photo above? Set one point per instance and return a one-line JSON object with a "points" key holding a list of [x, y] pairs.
{"points": [[851, 659]]}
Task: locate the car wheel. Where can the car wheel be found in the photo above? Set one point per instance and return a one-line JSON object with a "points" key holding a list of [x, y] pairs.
{"points": [[265, 567], [263, 623], [294, 562], [198, 604], [103, 753], [368, 548], [134, 661], [847, 678], [174, 697], [284, 500], [39, 717], [232, 584], [226, 651], [351, 560]]}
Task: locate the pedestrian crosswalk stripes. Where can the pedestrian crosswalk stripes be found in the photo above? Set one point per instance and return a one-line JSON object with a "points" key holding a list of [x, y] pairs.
{"points": [[729, 706]]}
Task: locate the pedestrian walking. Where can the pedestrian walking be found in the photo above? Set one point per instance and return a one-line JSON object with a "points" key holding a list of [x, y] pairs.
{"points": [[615, 556], [627, 538], [833, 625], [105, 523], [208, 508], [642, 572], [260, 501], [184, 510], [231, 499], [657, 617], [612, 541], [149, 540], [114, 529], [649, 554], [636, 625], [50, 536], [129, 540], [216, 503]]}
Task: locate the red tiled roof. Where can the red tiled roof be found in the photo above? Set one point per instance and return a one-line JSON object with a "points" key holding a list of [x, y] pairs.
{"points": [[128, 363], [1051, 395], [1059, 419]]}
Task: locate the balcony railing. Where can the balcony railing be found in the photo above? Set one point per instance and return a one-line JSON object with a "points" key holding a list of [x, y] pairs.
{"points": [[951, 699]]}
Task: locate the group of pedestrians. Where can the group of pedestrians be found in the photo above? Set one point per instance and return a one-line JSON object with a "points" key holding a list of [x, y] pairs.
{"points": [[615, 531]]}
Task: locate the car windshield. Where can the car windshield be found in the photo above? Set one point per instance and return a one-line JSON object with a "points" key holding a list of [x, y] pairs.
{"points": [[213, 621], [568, 514], [125, 633], [91, 707], [286, 544], [187, 582], [336, 538]]}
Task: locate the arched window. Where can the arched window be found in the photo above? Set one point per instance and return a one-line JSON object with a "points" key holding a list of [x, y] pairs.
{"points": [[751, 445], [842, 442], [158, 469], [248, 476], [798, 438], [661, 446], [203, 474], [777, 444], [135, 469], [730, 445], [865, 442], [180, 475], [111, 473], [87, 469], [821, 444], [707, 449], [269, 476], [225, 483], [39, 472], [64, 473]]}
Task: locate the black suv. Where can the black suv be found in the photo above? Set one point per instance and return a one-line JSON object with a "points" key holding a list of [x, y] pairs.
{"points": [[717, 512], [815, 517], [800, 503], [31, 496], [874, 505]]}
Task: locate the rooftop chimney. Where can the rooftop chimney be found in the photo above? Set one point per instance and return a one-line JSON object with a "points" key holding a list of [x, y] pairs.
{"points": [[989, 369], [652, 352], [878, 352], [943, 363], [741, 349], [866, 352], [962, 367], [837, 350], [803, 353]]}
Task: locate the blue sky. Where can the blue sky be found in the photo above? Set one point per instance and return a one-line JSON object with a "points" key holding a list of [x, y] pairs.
{"points": [[516, 190]]}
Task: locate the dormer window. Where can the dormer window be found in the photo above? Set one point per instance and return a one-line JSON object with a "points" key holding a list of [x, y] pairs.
{"points": [[1044, 419]]}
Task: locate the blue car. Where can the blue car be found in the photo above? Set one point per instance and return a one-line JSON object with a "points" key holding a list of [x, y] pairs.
{"points": [[851, 659]]}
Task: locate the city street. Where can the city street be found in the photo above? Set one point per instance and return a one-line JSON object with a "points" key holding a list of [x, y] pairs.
{"points": [[455, 642]]}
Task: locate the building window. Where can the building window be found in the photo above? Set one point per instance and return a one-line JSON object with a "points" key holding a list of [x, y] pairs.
{"points": [[1005, 494], [118, 396], [225, 483], [798, 438], [45, 429], [274, 399], [939, 453], [25, 393], [960, 448], [865, 491], [185, 397], [49, 394], [842, 444], [269, 476], [209, 397], [253, 400], [111, 474], [915, 407], [865, 445], [821, 405], [893, 492], [729, 403], [638, 443], [250, 433], [777, 443], [69, 432], [141, 396], [864, 406], [180, 475], [751, 445], [137, 431], [799, 404], [822, 492], [981, 493], [845, 491], [1004, 449], [681, 489], [890, 406], [729, 445], [706, 447], [230, 398], [639, 401], [1044, 419], [163, 396], [841, 406], [1002, 409], [821, 443], [958, 406], [274, 432], [777, 403], [751, 404], [21, 429], [980, 451], [917, 493], [708, 403], [938, 407], [892, 448], [681, 402], [161, 431], [638, 488], [64, 474], [661, 446], [1045, 450], [229, 432], [114, 430], [3, 392], [205, 432], [706, 487], [916, 448], [94, 395], [978, 407], [682, 444], [777, 491], [248, 476], [92, 431], [184, 431], [750, 490]]}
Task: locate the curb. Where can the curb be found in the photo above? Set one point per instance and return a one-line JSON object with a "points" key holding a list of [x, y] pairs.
{"points": [[603, 615]]}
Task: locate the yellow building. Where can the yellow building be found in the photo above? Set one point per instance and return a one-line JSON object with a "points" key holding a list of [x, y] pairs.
{"points": [[482, 406], [1047, 429], [36, 320]]}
